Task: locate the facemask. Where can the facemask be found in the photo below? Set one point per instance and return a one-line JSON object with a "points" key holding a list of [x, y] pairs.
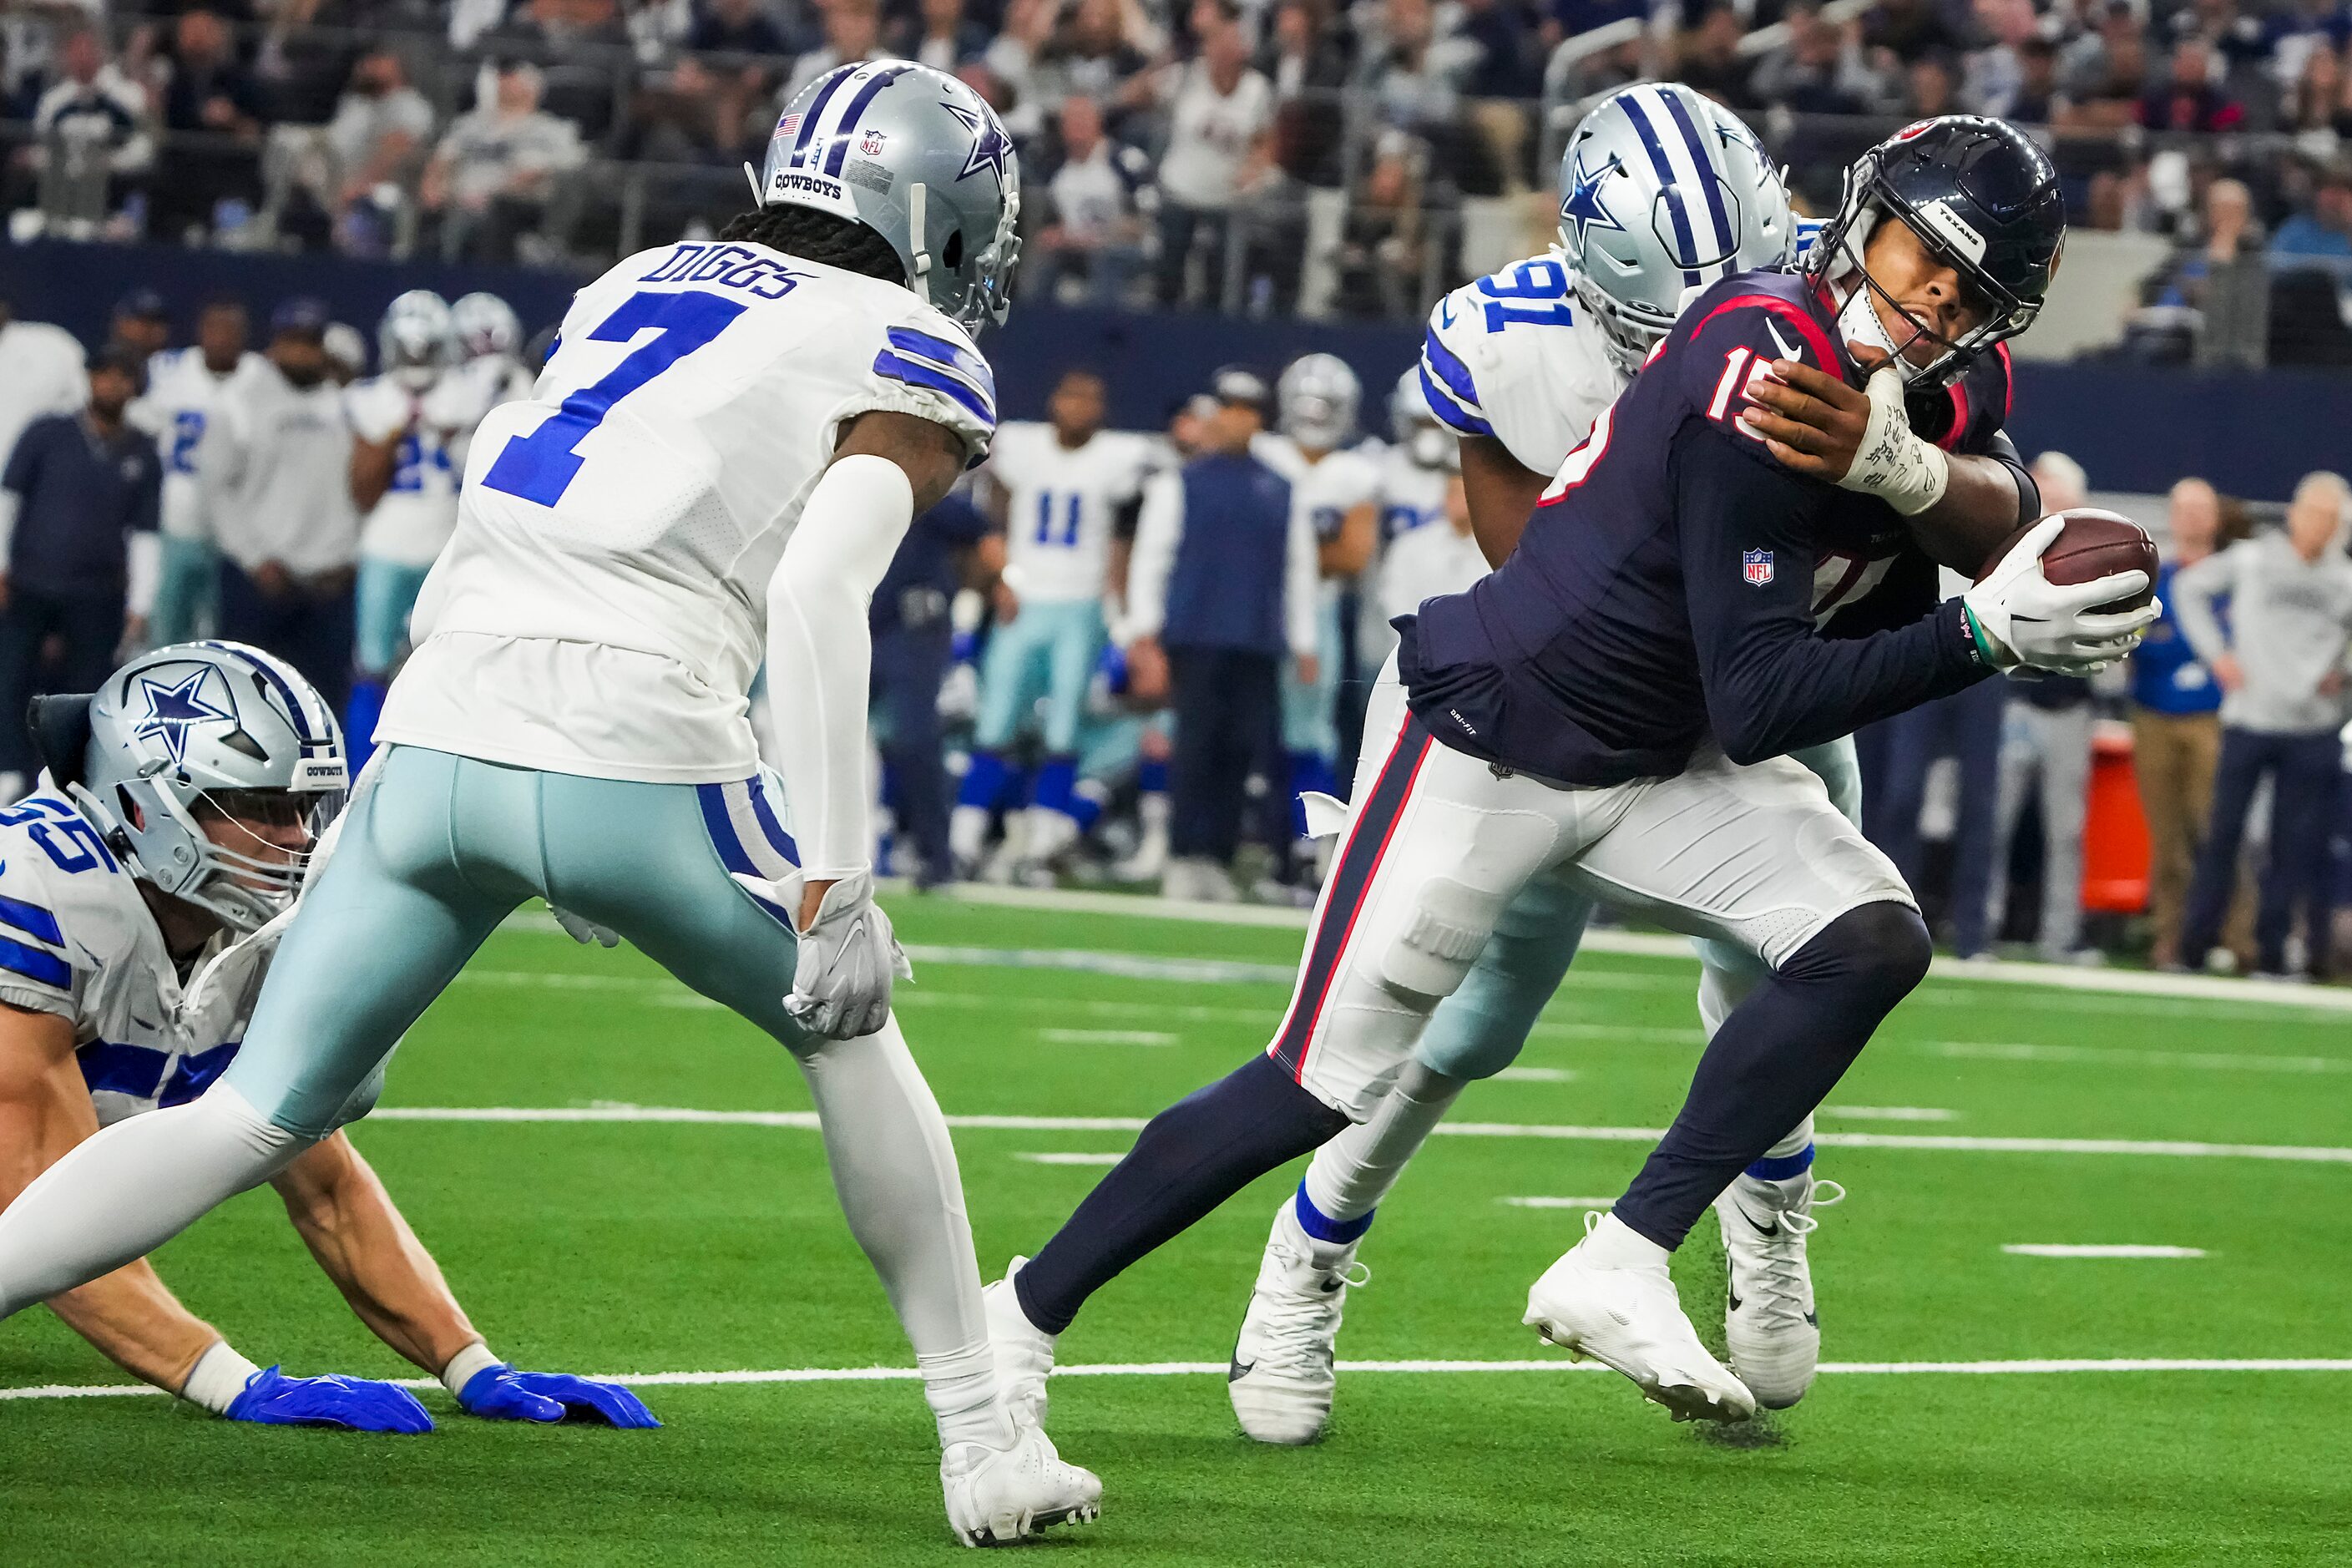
{"points": [[1428, 448]]}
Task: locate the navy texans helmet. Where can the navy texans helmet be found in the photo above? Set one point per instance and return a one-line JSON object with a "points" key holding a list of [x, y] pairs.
{"points": [[1983, 199]]}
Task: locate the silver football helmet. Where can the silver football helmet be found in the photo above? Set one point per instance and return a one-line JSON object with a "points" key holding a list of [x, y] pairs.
{"points": [[1663, 192], [920, 159], [1315, 400], [416, 341], [485, 325], [211, 769], [1426, 442]]}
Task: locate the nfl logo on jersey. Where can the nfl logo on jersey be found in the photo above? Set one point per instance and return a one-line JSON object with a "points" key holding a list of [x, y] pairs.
{"points": [[1756, 565]]}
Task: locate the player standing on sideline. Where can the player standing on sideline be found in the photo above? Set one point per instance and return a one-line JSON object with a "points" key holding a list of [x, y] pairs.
{"points": [[1062, 485], [720, 462], [404, 482], [1520, 365], [1618, 698], [184, 389], [1332, 485], [489, 362], [139, 886]]}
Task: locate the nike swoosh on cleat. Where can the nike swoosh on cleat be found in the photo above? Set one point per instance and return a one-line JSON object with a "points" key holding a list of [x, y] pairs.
{"points": [[1239, 1370], [1812, 1322], [1760, 1228]]}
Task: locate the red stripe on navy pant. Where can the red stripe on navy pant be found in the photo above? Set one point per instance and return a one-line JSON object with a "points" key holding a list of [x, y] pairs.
{"points": [[1351, 880]]}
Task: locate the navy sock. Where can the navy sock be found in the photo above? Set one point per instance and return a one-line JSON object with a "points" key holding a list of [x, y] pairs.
{"points": [[1194, 1155], [1775, 1059]]}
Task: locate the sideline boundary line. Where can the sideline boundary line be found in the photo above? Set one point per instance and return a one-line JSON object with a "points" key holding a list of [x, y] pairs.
{"points": [[1206, 1368], [806, 1121]]}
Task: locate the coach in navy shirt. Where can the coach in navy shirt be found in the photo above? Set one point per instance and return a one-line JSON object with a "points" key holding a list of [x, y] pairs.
{"points": [[1222, 587], [79, 495], [913, 646]]}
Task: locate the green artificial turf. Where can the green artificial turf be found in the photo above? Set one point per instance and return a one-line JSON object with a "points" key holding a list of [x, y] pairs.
{"points": [[644, 1247]]}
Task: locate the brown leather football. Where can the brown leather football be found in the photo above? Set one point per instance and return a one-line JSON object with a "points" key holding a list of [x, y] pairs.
{"points": [[2092, 544]]}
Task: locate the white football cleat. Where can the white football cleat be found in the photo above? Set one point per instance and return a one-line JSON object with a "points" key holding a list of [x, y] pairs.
{"points": [[1024, 1351], [1281, 1376], [1769, 1322], [1610, 1298], [998, 1496]]}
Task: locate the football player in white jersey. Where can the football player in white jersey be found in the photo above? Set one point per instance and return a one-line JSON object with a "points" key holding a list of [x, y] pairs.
{"points": [[185, 388], [1333, 485], [1062, 486], [405, 481], [490, 369], [1519, 365], [1442, 557], [138, 891], [718, 465]]}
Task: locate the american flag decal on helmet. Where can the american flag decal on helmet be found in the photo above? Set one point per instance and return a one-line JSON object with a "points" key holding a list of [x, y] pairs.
{"points": [[789, 124], [1756, 566]]}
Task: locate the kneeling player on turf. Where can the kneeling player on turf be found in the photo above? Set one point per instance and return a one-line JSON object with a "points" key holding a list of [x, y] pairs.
{"points": [[140, 887]]}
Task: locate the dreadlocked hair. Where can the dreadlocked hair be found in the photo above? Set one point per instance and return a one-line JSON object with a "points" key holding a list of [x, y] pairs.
{"points": [[819, 237]]}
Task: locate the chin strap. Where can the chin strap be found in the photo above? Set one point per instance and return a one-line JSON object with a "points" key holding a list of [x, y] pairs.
{"points": [[917, 213], [759, 198]]}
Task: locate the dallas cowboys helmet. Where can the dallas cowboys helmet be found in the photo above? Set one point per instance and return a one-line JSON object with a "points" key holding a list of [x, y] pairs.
{"points": [[1663, 192], [485, 325], [1315, 400], [416, 339], [920, 159], [1427, 442], [1983, 198], [181, 751]]}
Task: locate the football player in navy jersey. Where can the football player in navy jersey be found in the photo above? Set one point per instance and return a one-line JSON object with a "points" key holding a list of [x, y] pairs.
{"points": [[1717, 575]]}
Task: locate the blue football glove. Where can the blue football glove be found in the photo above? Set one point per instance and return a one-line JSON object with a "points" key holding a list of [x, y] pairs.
{"points": [[501, 1394], [273, 1399]]}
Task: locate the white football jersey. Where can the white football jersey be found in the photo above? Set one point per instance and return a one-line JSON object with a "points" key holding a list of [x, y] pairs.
{"points": [[418, 513], [76, 939], [603, 607], [1409, 496], [463, 397], [1061, 502], [1516, 357], [182, 396], [1423, 562], [1326, 491]]}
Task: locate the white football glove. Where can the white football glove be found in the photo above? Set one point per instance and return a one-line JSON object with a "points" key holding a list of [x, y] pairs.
{"points": [[848, 956], [584, 932], [1893, 463], [2020, 617]]}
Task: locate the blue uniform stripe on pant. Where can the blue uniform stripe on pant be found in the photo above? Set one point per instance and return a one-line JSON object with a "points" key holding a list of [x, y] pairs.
{"points": [[713, 799], [1351, 878]]}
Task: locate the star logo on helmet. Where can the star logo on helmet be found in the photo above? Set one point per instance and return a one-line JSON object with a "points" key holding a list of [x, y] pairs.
{"points": [[991, 147], [1582, 205], [170, 708]]}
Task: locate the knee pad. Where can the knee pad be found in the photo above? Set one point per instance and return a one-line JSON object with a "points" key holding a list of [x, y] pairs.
{"points": [[1883, 945], [1442, 936]]}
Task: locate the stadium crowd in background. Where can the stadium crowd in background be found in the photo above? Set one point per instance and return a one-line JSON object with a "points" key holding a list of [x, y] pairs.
{"points": [[1271, 156]]}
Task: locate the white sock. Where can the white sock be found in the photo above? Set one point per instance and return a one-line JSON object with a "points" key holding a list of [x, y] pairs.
{"points": [[1049, 832], [131, 1188], [1350, 1174], [967, 832], [894, 1171]]}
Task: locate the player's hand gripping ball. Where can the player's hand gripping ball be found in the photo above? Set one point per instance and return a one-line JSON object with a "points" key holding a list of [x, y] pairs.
{"points": [[2069, 594]]}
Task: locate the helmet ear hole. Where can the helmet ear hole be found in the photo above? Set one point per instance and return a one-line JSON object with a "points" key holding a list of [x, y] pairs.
{"points": [[952, 252]]}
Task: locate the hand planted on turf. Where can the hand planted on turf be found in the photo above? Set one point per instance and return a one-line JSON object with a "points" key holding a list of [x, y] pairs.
{"points": [[273, 1399], [847, 957], [584, 932], [501, 1394], [2021, 616]]}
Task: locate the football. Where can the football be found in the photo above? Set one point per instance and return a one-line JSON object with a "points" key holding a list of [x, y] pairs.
{"points": [[2092, 544]]}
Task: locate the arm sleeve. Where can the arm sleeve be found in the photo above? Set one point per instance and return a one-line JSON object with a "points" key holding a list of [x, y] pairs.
{"points": [[2194, 589], [1158, 531], [821, 654], [1302, 575], [1771, 684]]}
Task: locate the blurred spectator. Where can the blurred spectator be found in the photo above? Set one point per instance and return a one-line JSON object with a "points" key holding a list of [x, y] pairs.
{"points": [[185, 390], [1379, 259], [2280, 662], [140, 323], [1222, 585], [1909, 29], [1711, 60], [93, 130], [2106, 70], [2326, 230], [276, 471], [2233, 293], [2190, 99], [1220, 113], [583, 52], [735, 28], [378, 138], [497, 169], [694, 115], [2317, 106], [2045, 744], [1929, 87], [2035, 100], [1814, 72], [852, 32], [1093, 237], [212, 94], [77, 489], [2175, 724], [41, 373], [941, 37], [1507, 65], [1307, 55], [1415, 71]]}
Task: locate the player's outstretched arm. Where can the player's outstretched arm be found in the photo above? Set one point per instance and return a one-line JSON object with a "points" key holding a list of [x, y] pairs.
{"points": [[130, 1316], [365, 1245], [1502, 492], [887, 467]]}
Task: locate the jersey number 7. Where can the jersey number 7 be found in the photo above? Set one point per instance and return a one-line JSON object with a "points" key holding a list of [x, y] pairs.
{"points": [[540, 467]]}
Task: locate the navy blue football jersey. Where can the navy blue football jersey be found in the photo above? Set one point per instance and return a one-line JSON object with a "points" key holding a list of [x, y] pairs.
{"points": [[1677, 579]]}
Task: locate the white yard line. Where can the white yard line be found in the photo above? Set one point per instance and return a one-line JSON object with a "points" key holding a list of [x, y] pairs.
{"points": [[1218, 1368], [1560, 1203], [2100, 1056], [1536, 1075], [2069, 1249], [1109, 1036], [1891, 1112], [806, 1120], [1050, 1159]]}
